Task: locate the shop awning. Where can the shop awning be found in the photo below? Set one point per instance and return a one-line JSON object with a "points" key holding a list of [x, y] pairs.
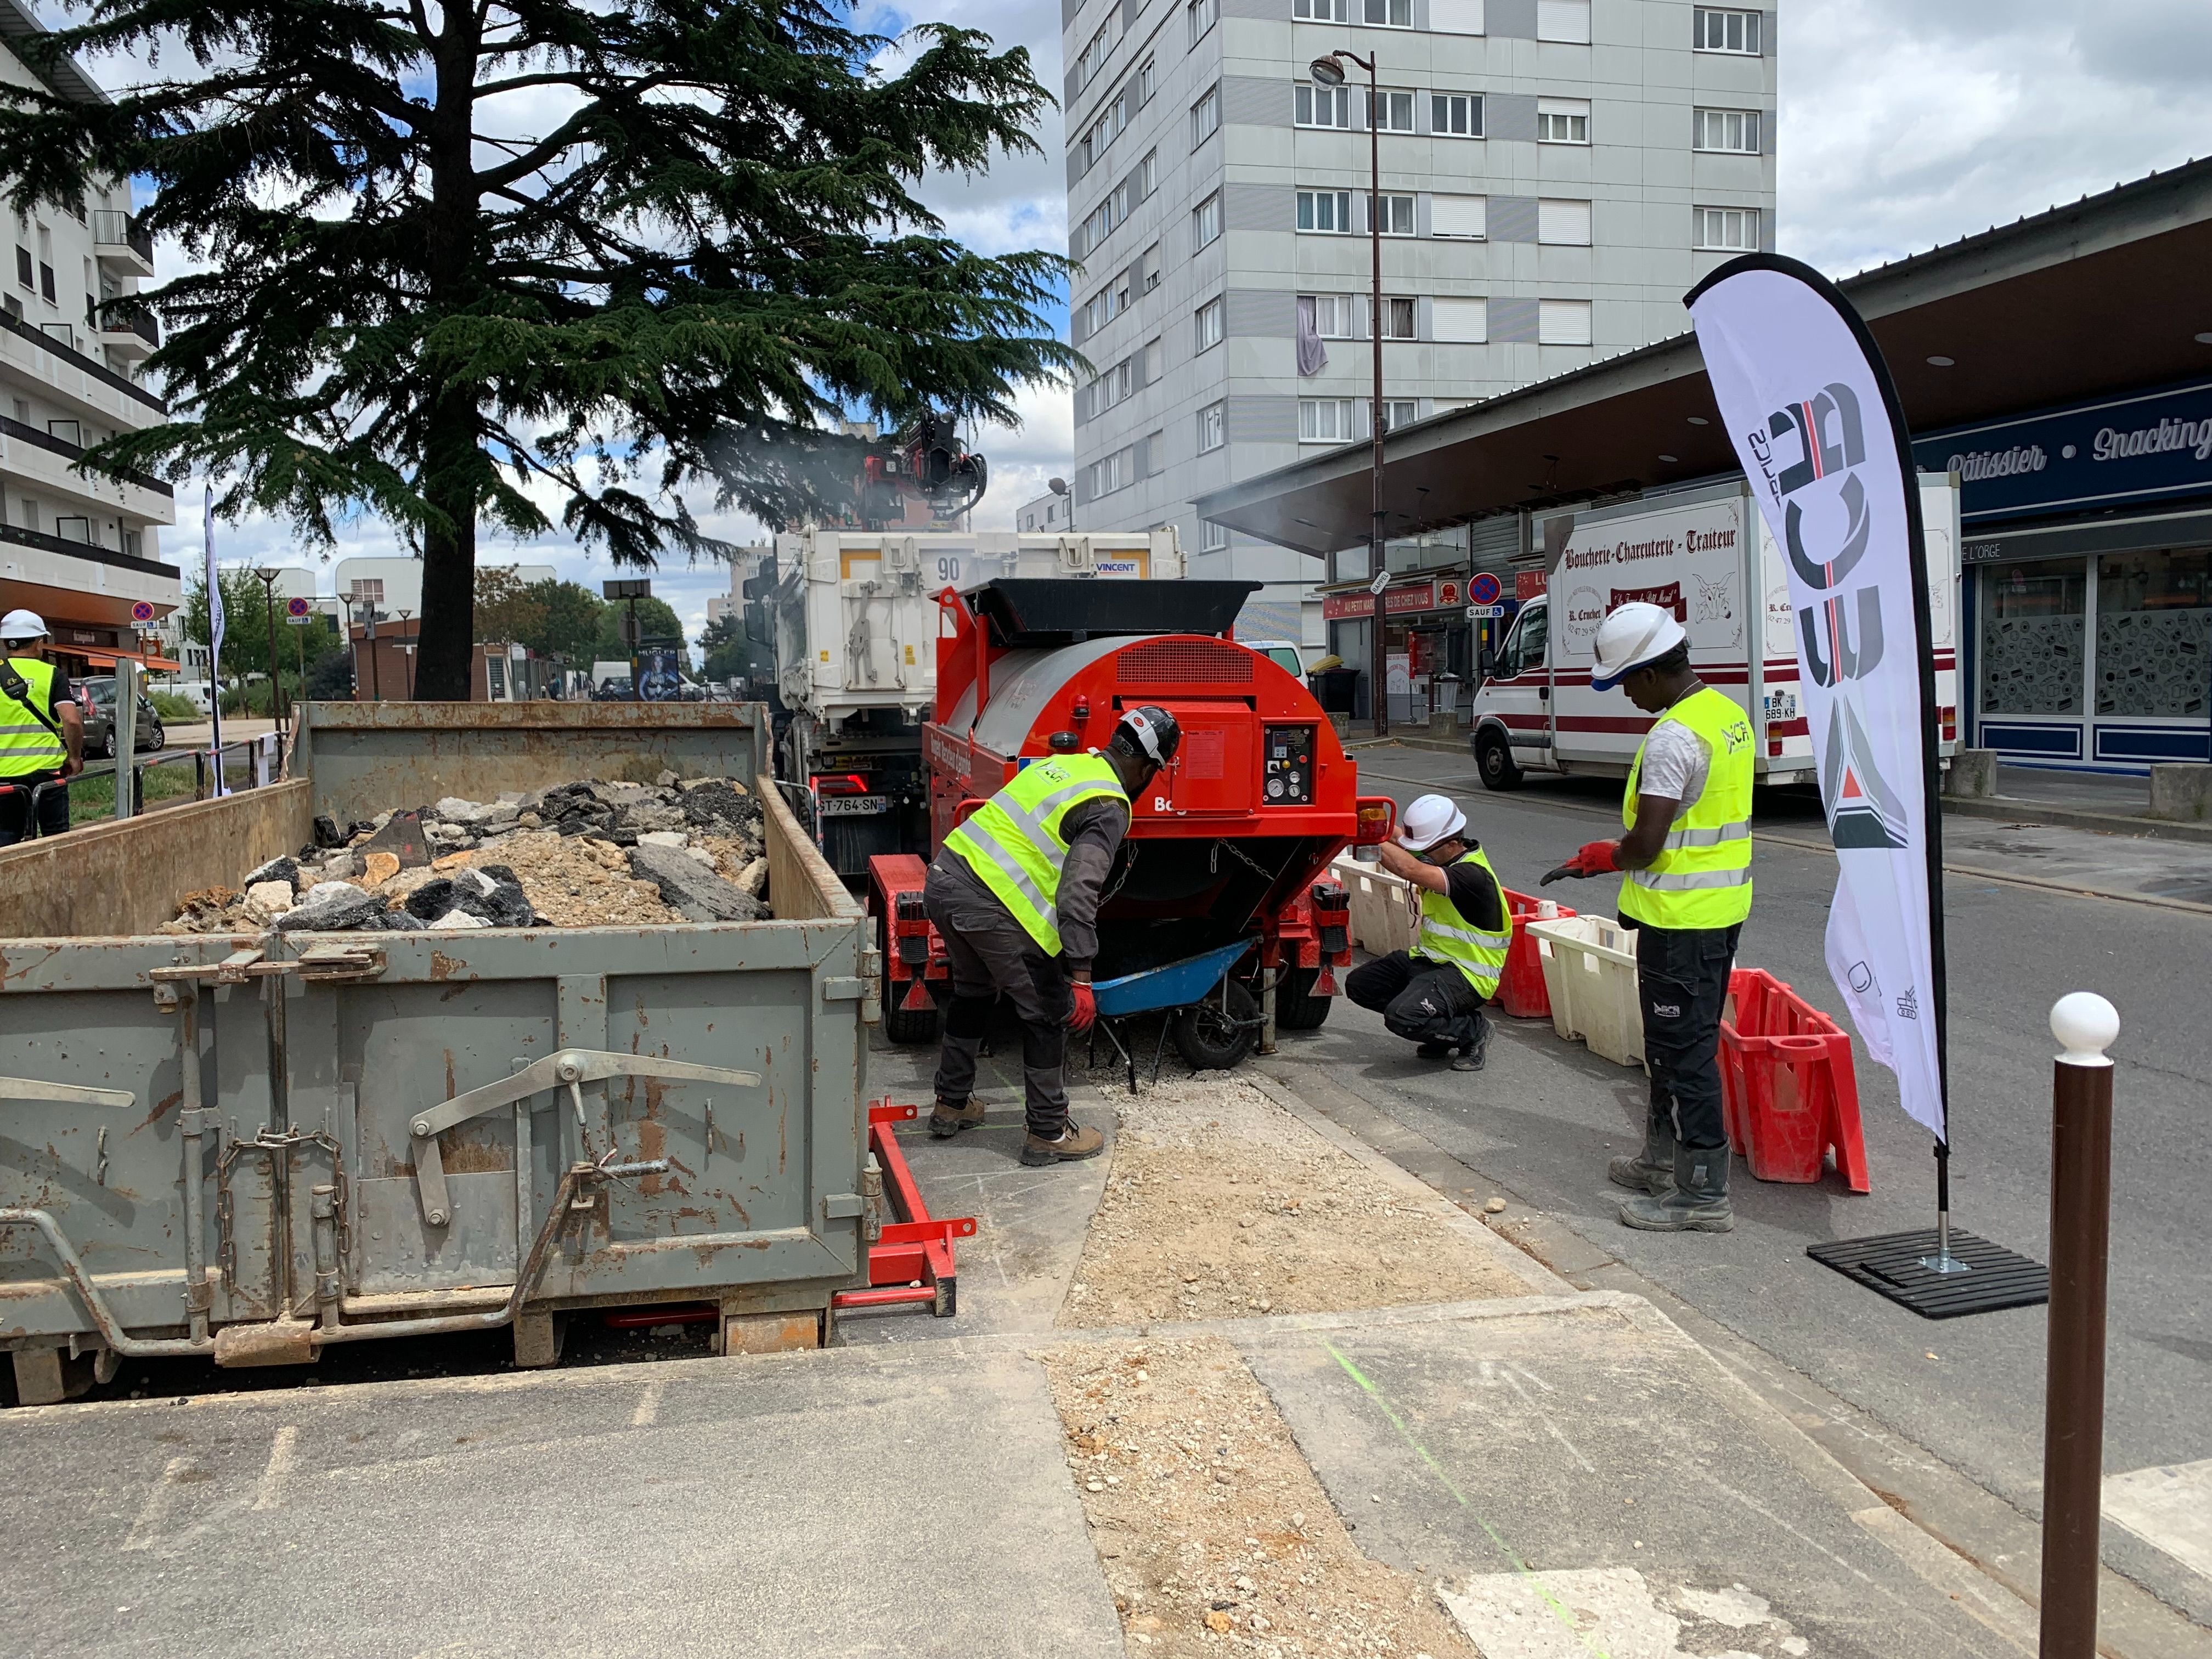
{"points": [[107, 658], [2105, 296]]}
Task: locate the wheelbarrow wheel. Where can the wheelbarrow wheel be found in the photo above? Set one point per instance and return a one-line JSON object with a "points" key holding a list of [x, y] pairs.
{"points": [[1216, 1034]]}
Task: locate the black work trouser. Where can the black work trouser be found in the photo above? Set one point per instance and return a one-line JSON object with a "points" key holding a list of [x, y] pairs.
{"points": [[1681, 978], [992, 955], [1420, 999], [15, 808]]}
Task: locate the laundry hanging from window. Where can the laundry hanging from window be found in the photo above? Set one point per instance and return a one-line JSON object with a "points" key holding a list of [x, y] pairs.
{"points": [[1313, 356]]}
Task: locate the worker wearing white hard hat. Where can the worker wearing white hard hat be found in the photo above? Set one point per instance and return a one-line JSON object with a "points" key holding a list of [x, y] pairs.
{"points": [[1432, 994], [41, 733], [1686, 887]]}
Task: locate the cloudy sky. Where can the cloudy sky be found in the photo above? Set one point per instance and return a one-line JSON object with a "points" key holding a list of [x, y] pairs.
{"points": [[1903, 124]]}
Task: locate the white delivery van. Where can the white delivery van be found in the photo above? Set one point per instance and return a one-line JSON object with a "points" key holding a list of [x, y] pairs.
{"points": [[1706, 555]]}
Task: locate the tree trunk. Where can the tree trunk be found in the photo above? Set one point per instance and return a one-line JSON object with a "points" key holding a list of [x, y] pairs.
{"points": [[446, 641], [451, 462]]}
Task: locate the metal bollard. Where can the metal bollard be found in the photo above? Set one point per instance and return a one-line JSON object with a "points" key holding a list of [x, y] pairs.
{"points": [[2074, 1400]]}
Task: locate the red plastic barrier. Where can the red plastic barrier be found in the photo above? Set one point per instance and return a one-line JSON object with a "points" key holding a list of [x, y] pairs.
{"points": [[1520, 990], [1789, 1093]]}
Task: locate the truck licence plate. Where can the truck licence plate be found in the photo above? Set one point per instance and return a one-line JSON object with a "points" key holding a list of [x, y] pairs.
{"points": [[854, 806]]}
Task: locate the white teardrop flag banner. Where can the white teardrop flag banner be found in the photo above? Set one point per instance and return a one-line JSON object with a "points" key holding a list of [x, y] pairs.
{"points": [[1816, 422]]}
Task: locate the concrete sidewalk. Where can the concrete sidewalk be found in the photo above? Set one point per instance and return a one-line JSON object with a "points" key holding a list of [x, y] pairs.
{"points": [[1567, 1472]]}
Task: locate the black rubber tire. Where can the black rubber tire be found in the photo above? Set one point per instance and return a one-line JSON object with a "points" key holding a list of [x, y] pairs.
{"points": [[1296, 1009], [1493, 758], [107, 747], [159, 738], [1206, 1042], [909, 1028]]}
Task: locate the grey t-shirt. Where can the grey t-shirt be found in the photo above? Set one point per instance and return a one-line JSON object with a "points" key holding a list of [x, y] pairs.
{"points": [[1675, 764]]}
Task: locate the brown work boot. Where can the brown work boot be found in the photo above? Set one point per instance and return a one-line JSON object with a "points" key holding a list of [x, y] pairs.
{"points": [[947, 1119], [1075, 1141]]}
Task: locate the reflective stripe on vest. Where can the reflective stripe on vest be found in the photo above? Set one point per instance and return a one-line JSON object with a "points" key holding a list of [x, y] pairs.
{"points": [[1445, 936], [27, 745], [1702, 877], [1014, 843]]}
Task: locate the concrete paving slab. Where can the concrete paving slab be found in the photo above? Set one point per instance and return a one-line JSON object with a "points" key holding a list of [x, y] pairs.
{"points": [[864, 1501], [2169, 1506], [1597, 1439], [1030, 1224]]}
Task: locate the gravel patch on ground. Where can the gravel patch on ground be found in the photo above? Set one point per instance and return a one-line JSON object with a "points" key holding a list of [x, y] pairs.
{"points": [[1212, 1530], [1221, 1205]]}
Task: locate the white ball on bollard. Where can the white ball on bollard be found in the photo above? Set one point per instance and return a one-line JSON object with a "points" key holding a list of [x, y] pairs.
{"points": [[2085, 1025]]}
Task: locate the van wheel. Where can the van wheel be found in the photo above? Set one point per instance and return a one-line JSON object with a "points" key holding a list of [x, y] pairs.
{"points": [[1493, 757]]}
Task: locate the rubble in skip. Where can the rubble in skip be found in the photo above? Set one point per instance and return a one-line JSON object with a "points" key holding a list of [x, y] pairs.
{"points": [[581, 855]]}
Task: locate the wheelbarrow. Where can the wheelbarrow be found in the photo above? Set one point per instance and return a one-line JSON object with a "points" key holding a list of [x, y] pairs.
{"points": [[1212, 1016]]}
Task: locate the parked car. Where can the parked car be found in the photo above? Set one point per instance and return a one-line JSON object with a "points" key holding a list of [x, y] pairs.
{"points": [[96, 698], [613, 690]]}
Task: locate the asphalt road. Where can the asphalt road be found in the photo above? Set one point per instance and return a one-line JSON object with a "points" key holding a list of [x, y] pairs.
{"points": [[1543, 1118]]}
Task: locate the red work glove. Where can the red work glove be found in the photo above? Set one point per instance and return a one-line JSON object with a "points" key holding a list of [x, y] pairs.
{"points": [[1086, 1006], [1594, 860]]}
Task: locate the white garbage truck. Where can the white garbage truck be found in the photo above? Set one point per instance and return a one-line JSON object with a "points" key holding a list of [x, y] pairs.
{"points": [[1704, 554], [856, 616]]}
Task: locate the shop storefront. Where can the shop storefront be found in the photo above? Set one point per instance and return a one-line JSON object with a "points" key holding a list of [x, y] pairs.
{"points": [[2088, 577], [1432, 648]]}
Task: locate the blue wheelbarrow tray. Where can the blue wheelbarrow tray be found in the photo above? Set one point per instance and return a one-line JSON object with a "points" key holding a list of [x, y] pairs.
{"points": [[1174, 986]]}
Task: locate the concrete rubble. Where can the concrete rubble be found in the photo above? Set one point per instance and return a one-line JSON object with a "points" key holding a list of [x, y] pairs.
{"points": [[580, 855]]}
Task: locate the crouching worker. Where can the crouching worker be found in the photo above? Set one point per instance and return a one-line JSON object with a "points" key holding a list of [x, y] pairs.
{"points": [[1433, 994], [1014, 894]]}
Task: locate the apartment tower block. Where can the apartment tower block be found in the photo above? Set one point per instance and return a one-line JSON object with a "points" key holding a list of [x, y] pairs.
{"points": [[1555, 175]]}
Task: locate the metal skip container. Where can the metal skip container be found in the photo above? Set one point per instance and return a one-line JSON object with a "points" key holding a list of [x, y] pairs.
{"points": [[251, 1147]]}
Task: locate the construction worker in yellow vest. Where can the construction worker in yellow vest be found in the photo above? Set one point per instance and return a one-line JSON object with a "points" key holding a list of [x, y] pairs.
{"points": [[1433, 995], [1685, 888], [41, 732], [1014, 893]]}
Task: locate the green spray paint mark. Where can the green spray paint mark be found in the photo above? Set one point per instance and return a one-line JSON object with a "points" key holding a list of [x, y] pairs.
{"points": [[1559, 1609]]}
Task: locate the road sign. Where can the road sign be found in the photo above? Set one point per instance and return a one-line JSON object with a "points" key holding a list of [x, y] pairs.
{"points": [[626, 590], [1476, 611], [141, 611], [297, 610], [1482, 589]]}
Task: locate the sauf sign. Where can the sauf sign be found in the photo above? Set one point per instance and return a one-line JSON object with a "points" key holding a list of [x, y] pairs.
{"points": [[1816, 425]]}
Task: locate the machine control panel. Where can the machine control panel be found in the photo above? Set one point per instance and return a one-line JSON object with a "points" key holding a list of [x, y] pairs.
{"points": [[1287, 775]]}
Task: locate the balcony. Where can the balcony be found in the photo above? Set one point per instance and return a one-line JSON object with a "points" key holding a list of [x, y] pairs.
{"points": [[133, 337], [19, 537], [20, 433], [118, 240], [57, 340]]}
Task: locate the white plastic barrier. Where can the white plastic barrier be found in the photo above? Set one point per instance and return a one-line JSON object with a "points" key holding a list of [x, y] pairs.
{"points": [[1385, 908], [1589, 974]]}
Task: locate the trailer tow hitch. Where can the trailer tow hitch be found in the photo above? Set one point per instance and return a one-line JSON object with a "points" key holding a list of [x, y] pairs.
{"points": [[571, 1069]]}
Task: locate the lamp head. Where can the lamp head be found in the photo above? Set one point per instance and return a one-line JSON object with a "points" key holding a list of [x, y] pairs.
{"points": [[1327, 71]]}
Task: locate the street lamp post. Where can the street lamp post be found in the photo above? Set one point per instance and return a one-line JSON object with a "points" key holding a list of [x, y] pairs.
{"points": [[268, 607], [1060, 487], [406, 658], [1328, 71]]}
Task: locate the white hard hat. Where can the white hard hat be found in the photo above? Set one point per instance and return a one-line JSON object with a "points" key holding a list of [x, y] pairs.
{"points": [[1429, 820], [1632, 636], [23, 625]]}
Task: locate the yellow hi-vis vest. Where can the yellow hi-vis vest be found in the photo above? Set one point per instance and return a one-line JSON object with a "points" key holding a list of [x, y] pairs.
{"points": [[1446, 935], [1013, 843], [1702, 877], [27, 745]]}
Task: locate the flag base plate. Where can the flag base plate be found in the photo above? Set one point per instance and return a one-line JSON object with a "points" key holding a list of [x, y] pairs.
{"points": [[1891, 1264]]}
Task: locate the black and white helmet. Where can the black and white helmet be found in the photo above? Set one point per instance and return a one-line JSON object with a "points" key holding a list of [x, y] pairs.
{"points": [[1152, 732]]}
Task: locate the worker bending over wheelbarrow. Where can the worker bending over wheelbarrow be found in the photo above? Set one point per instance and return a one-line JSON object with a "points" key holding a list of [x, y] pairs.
{"points": [[1433, 994], [1014, 893]]}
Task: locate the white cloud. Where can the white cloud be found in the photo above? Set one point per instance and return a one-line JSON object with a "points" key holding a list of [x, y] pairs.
{"points": [[1904, 124]]}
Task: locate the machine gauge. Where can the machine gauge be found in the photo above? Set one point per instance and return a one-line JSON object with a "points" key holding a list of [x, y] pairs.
{"points": [[1274, 788]]}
